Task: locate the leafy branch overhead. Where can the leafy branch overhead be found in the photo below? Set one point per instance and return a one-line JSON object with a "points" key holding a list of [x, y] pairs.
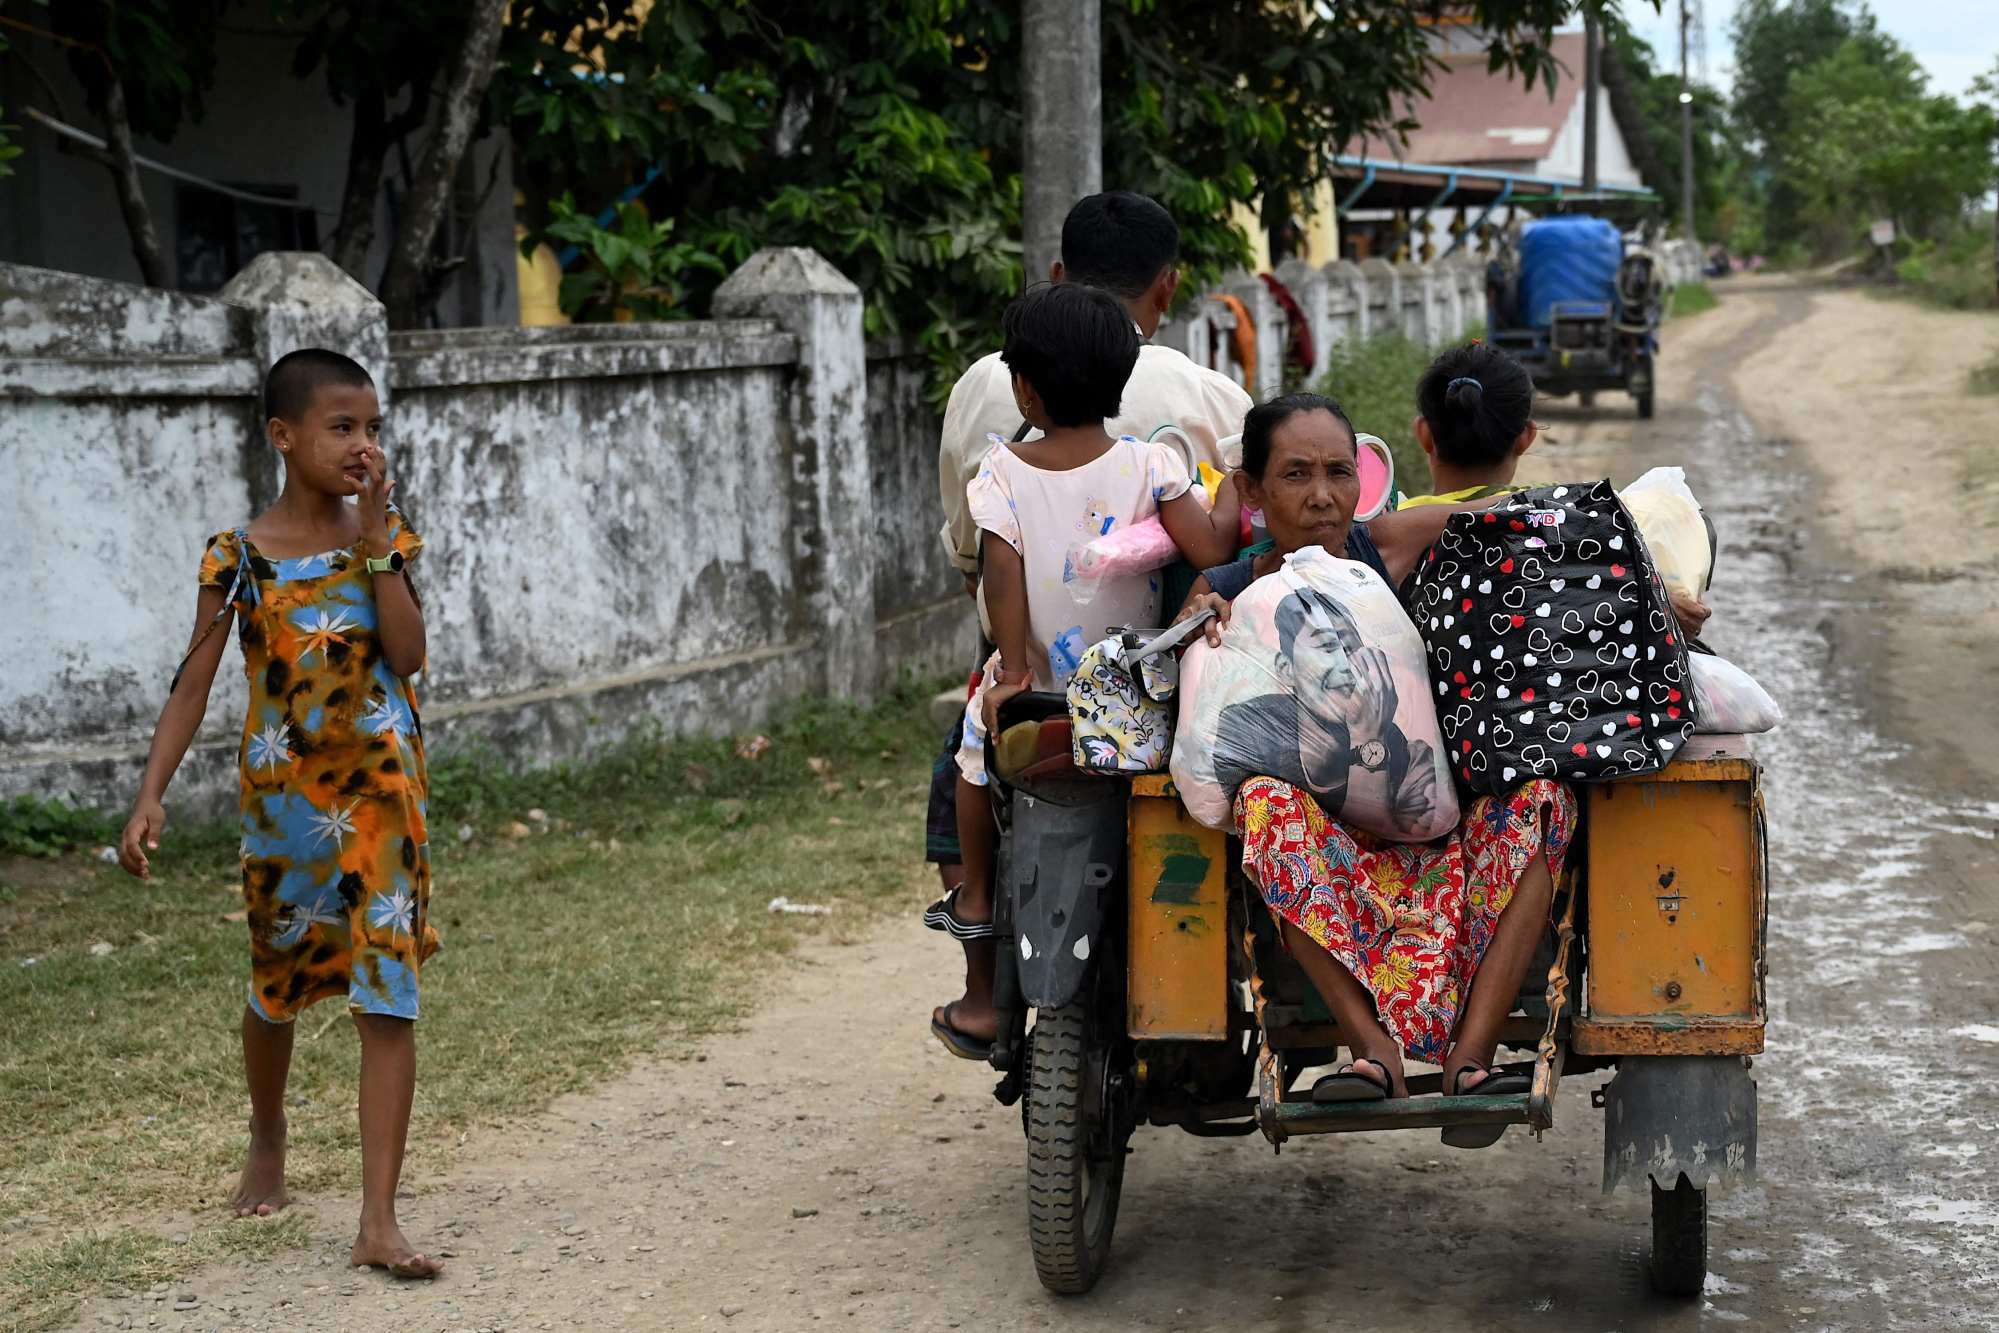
{"points": [[888, 137]]}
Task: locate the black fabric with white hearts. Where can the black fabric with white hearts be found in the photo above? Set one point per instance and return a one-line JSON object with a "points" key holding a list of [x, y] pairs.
{"points": [[1552, 644]]}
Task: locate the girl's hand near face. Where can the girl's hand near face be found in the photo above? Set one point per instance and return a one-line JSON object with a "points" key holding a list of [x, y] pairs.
{"points": [[373, 502]]}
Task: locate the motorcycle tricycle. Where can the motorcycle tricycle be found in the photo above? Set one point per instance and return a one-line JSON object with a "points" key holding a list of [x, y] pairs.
{"points": [[1160, 996]]}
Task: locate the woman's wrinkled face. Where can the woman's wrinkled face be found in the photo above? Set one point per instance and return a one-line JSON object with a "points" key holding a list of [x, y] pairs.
{"points": [[1310, 485]]}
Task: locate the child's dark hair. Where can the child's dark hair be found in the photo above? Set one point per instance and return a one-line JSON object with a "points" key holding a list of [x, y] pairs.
{"points": [[1076, 346], [1118, 241], [297, 376], [1264, 419], [1477, 400]]}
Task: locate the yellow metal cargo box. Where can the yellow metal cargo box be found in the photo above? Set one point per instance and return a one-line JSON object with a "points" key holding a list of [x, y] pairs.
{"points": [[1676, 908]]}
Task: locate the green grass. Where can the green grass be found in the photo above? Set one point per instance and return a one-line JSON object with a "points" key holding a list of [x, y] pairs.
{"points": [[633, 915], [1691, 298], [1374, 379], [30, 826], [1954, 273]]}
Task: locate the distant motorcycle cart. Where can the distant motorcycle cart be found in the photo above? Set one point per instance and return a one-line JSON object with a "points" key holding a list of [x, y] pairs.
{"points": [[1579, 307]]}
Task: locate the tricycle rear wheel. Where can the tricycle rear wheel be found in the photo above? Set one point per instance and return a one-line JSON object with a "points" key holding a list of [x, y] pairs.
{"points": [[1679, 1239], [1075, 1152]]}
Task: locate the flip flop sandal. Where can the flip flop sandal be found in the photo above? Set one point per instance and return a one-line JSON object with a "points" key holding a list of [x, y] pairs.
{"points": [[1496, 1083], [961, 1044], [1349, 1084], [943, 915]]}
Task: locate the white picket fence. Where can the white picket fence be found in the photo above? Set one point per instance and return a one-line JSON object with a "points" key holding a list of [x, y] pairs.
{"points": [[1429, 303]]}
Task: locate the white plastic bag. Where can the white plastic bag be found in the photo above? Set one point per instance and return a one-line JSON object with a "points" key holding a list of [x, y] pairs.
{"points": [[1728, 701], [1675, 532], [1320, 681]]}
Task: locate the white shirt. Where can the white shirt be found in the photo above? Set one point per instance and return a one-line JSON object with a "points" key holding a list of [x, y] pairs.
{"points": [[1165, 388]]}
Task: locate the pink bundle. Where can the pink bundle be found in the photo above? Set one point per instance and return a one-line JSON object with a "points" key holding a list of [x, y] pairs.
{"points": [[1145, 546], [1138, 549]]}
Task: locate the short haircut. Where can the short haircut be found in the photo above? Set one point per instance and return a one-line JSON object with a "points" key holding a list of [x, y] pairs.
{"points": [[1263, 420], [297, 376], [1076, 346], [1118, 241], [1477, 400]]}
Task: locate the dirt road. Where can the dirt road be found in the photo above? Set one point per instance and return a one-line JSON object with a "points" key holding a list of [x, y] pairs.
{"points": [[829, 1165]]}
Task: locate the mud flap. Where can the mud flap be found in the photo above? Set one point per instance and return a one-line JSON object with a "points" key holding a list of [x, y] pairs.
{"points": [[1668, 1116], [1063, 859]]}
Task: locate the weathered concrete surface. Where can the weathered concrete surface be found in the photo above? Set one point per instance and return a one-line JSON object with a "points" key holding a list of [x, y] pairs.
{"points": [[678, 526], [922, 627], [831, 484]]}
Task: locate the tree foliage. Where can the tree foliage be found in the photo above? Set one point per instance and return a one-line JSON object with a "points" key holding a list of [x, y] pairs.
{"points": [[162, 52], [1866, 140], [1838, 127], [888, 137]]}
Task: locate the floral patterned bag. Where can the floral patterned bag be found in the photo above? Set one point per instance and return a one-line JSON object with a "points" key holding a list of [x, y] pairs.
{"points": [[1121, 700]]}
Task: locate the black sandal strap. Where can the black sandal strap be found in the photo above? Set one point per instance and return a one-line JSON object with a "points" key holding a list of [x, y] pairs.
{"points": [[943, 915]]}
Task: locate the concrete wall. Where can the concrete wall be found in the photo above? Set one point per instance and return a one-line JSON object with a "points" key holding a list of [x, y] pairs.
{"points": [[920, 604], [623, 521]]}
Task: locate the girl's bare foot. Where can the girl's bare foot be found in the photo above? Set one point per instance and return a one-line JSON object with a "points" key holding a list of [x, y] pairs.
{"points": [[385, 1247], [260, 1190]]}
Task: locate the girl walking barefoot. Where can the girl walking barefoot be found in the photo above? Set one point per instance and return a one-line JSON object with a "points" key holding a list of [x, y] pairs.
{"points": [[336, 868]]}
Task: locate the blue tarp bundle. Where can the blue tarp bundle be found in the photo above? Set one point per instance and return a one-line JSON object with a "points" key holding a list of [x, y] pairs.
{"points": [[1567, 258]]}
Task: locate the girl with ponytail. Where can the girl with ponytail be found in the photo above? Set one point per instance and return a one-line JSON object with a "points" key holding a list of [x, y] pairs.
{"points": [[1475, 419]]}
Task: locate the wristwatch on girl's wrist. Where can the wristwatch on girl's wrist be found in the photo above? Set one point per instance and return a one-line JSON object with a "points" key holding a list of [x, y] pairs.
{"points": [[392, 563]]}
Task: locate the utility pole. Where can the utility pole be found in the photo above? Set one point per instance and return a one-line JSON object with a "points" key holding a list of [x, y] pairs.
{"points": [[1062, 104], [1686, 128], [1592, 82]]}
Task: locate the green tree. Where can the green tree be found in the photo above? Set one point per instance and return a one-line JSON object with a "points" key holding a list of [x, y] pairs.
{"points": [[146, 67], [1774, 40], [9, 150], [1986, 86], [372, 58], [1865, 139], [888, 137]]}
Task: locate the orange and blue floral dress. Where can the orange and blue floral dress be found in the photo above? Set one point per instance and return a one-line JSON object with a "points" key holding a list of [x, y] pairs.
{"points": [[336, 863]]}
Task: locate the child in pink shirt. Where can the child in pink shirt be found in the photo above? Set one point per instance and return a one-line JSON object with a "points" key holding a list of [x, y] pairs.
{"points": [[1070, 350]]}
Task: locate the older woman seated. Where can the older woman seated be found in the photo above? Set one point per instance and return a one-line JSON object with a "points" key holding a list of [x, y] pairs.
{"points": [[1416, 947]]}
